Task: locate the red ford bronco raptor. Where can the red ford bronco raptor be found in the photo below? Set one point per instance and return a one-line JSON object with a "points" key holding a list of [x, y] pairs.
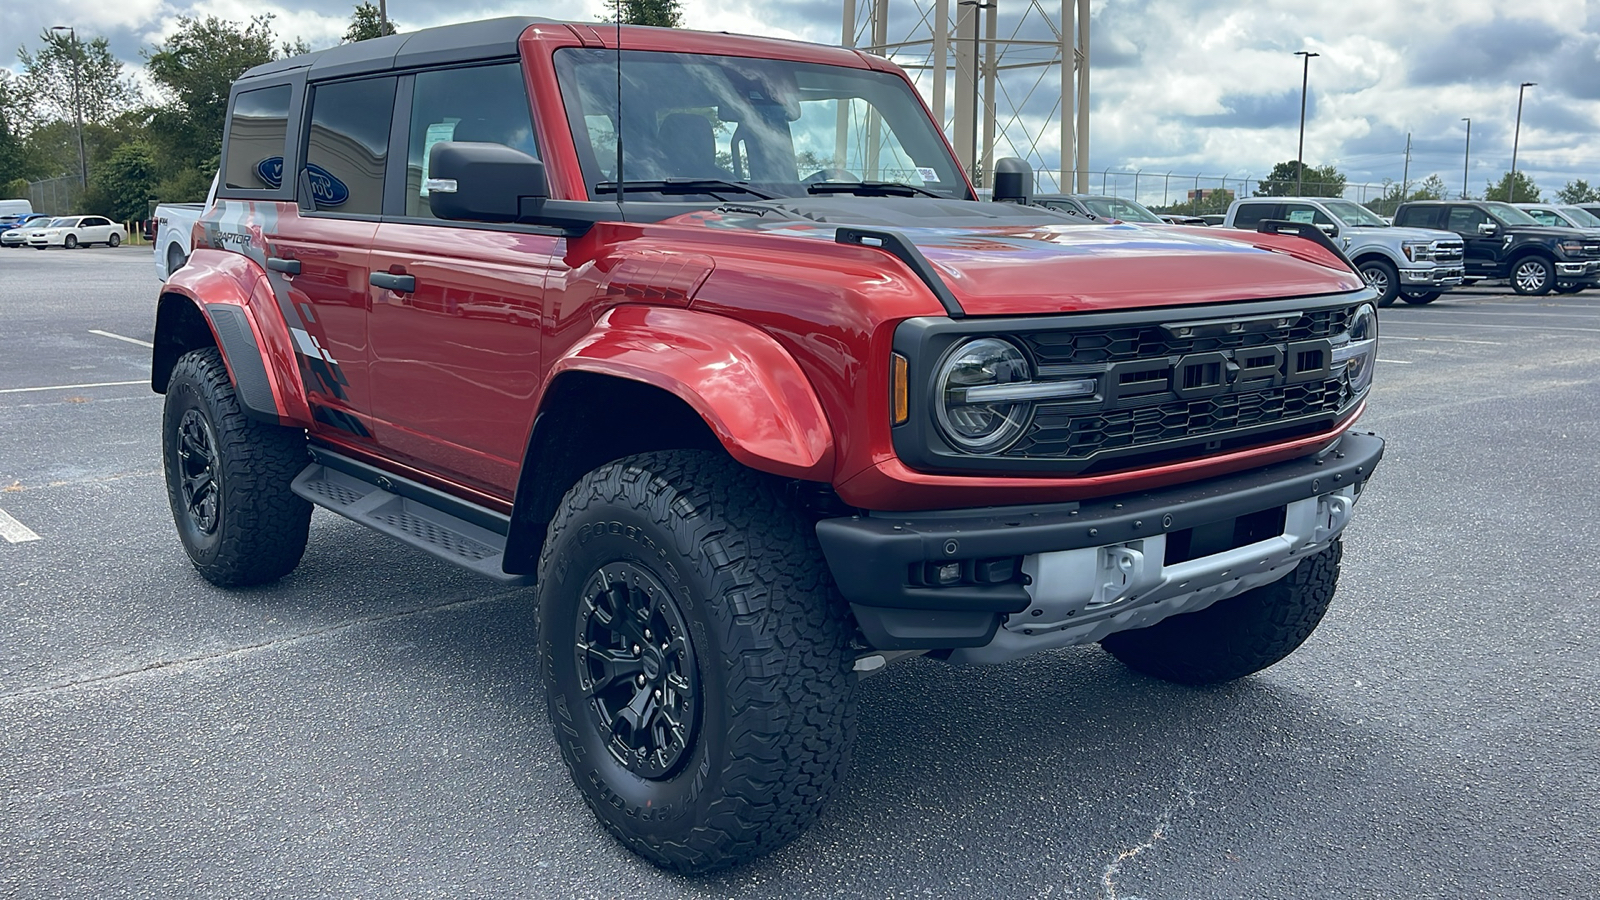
{"points": [[708, 339]]}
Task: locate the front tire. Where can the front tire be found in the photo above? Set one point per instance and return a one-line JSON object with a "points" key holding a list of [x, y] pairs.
{"points": [[1235, 637], [228, 478], [697, 659], [1569, 288], [1533, 276], [71, 242], [1418, 298], [1381, 276]]}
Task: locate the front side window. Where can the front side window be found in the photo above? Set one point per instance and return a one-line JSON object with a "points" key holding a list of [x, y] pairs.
{"points": [[348, 145], [774, 125], [1305, 213], [1115, 208], [1466, 219], [483, 103], [257, 133], [1546, 217]]}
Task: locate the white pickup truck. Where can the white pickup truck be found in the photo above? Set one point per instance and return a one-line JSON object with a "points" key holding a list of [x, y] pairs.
{"points": [[174, 222]]}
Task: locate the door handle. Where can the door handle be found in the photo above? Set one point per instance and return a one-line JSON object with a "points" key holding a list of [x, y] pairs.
{"points": [[286, 266], [400, 284]]}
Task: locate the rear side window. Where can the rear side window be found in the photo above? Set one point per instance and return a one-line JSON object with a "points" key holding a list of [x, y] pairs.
{"points": [[348, 145], [1421, 217], [1249, 215], [257, 133], [483, 103]]}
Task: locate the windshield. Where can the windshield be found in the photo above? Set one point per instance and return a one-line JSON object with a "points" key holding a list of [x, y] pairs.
{"points": [[1581, 216], [1354, 213], [774, 125], [1508, 214], [61, 223], [1115, 208]]}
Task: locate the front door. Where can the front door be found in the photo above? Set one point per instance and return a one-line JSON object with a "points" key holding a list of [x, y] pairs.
{"points": [[457, 307], [1483, 251]]}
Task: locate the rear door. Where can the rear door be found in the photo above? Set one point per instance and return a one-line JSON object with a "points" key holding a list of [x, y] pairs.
{"points": [[455, 341], [95, 230]]}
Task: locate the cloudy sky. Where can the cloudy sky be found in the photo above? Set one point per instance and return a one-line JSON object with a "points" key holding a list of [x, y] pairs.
{"points": [[1181, 86]]}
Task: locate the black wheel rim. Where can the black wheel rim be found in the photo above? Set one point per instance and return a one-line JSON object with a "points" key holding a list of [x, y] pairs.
{"points": [[197, 470], [637, 669]]}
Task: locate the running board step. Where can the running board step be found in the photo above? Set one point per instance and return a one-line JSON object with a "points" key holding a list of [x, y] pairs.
{"points": [[416, 514]]}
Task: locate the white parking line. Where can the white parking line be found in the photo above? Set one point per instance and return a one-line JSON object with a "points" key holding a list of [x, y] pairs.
{"points": [[13, 531], [68, 387], [1396, 337], [1397, 362], [121, 338]]}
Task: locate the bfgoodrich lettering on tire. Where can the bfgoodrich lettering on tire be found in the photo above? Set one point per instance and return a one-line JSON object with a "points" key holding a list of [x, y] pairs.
{"points": [[228, 478], [1235, 637], [697, 658]]}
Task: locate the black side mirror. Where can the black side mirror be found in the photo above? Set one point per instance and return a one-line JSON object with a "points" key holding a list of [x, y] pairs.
{"points": [[482, 182], [1013, 180]]}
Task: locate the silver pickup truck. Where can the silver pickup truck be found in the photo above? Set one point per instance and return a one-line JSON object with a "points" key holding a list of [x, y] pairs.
{"points": [[1413, 264], [174, 221]]}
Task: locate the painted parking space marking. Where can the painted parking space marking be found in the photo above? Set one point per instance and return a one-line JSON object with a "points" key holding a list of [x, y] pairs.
{"points": [[120, 337], [1396, 337], [71, 387], [1422, 324], [13, 531], [1398, 362]]}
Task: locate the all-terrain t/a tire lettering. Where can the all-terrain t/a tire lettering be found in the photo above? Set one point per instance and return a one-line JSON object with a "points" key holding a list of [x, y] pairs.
{"points": [[1233, 638], [228, 478], [716, 727]]}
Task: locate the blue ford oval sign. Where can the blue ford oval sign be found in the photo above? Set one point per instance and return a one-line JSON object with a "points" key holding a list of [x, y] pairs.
{"points": [[326, 190], [270, 171]]}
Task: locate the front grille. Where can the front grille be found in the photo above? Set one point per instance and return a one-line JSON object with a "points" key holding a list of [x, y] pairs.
{"points": [[1447, 253], [1591, 248], [1162, 397]]}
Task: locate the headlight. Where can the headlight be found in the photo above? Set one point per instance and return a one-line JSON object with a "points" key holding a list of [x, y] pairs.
{"points": [[969, 420], [1359, 351], [1418, 251], [1573, 247]]}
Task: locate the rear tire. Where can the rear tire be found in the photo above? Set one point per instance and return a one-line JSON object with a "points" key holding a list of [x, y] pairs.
{"points": [[228, 478], [697, 659], [1420, 297], [1381, 276], [115, 241], [1235, 637]]}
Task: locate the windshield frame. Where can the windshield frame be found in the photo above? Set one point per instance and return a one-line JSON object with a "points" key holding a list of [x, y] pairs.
{"points": [[771, 113], [1498, 209], [1337, 206]]}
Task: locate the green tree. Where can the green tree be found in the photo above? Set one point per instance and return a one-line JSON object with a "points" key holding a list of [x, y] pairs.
{"points": [[125, 183], [1526, 191], [1577, 192], [661, 13], [194, 69], [1431, 188], [366, 24], [1318, 181], [14, 157], [70, 76]]}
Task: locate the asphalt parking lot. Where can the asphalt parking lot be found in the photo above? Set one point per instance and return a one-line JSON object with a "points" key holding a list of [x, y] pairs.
{"points": [[372, 725]]}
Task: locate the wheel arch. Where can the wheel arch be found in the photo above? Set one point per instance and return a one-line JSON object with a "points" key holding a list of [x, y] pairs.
{"points": [[1375, 253]]}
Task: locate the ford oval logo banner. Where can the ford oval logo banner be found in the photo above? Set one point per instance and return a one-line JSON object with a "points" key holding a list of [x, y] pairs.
{"points": [[270, 171], [326, 190]]}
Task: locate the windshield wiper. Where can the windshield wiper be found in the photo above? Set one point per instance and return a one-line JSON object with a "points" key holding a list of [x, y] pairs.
{"points": [[871, 189], [681, 186]]}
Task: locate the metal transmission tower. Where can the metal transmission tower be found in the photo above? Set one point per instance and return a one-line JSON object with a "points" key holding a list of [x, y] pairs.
{"points": [[995, 68]]}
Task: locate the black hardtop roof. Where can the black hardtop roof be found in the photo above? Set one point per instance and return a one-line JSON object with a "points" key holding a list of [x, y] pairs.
{"points": [[487, 39]]}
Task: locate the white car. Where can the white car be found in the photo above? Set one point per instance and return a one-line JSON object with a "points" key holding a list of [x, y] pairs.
{"points": [[77, 231]]}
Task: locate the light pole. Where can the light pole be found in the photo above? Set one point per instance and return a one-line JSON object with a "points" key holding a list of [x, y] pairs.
{"points": [[1511, 189], [1300, 154], [977, 79], [77, 105], [383, 17], [1466, 157]]}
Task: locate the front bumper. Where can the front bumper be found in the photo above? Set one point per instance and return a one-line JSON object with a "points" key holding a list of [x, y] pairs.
{"points": [[1578, 271], [1438, 276], [876, 559]]}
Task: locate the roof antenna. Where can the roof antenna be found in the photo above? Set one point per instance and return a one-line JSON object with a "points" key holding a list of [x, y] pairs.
{"points": [[621, 184]]}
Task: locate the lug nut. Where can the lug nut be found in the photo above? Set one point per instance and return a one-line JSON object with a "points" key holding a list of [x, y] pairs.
{"points": [[647, 634], [640, 680]]}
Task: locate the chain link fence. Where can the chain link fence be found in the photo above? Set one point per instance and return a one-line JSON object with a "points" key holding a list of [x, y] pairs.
{"points": [[1212, 193], [56, 196]]}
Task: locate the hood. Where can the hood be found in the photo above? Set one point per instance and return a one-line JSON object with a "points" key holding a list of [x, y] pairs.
{"points": [[1408, 234], [1549, 231], [999, 259]]}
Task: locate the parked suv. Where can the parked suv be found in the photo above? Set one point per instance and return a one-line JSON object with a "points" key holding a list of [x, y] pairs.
{"points": [[757, 406], [1503, 241], [1416, 264]]}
